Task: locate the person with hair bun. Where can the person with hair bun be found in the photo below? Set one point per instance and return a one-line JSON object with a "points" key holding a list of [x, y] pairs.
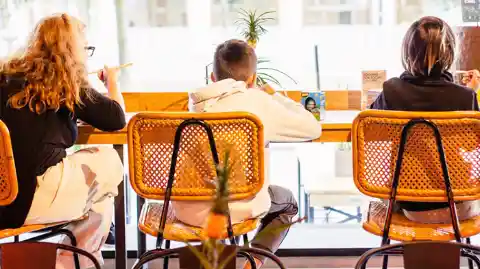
{"points": [[235, 89], [428, 52], [44, 90]]}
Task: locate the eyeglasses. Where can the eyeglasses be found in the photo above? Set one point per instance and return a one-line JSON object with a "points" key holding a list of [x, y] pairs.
{"points": [[90, 50]]}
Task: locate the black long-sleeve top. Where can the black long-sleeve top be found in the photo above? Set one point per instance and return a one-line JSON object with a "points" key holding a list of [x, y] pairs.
{"points": [[40, 141], [433, 93]]}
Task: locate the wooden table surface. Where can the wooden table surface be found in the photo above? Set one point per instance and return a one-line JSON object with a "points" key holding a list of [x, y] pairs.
{"points": [[335, 128]]}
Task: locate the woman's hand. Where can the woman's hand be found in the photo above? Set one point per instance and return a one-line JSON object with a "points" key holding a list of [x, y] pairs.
{"points": [[472, 79], [109, 78], [108, 75]]}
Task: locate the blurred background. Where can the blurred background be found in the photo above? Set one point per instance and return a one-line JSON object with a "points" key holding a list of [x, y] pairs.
{"points": [[171, 41]]}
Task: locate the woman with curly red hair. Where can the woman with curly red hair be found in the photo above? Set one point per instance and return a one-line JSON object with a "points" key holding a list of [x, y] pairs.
{"points": [[44, 90]]}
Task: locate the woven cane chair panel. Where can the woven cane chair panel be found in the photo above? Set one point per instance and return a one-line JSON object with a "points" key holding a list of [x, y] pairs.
{"points": [[377, 142], [403, 229], [8, 175], [195, 176]]}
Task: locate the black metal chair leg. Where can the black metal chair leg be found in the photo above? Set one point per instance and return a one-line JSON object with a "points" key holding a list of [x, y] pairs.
{"points": [[73, 241], [265, 254], [16, 238], [470, 262], [152, 255], [470, 259], [385, 262], [476, 260], [165, 260], [246, 243], [56, 232], [385, 257], [250, 259]]}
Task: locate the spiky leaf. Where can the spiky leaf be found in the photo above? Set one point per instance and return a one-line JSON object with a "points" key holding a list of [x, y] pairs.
{"points": [[251, 24]]}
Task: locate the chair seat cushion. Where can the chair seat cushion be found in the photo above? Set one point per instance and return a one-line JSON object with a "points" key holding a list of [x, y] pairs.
{"points": [[403, 229], [178, 231]]}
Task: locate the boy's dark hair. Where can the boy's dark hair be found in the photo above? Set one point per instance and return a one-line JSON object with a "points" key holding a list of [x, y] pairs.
{"points": [[429, 44], [234, 59]]}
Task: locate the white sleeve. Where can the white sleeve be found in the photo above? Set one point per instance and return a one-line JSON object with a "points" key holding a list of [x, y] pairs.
{"points": [[289, 121]]}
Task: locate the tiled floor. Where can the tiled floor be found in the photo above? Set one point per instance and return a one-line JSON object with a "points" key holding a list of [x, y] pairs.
{"points": [[298, 263], [292, 262]]}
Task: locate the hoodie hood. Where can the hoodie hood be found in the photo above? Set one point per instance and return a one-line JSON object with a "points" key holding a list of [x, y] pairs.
{"points": [[201, 99]]}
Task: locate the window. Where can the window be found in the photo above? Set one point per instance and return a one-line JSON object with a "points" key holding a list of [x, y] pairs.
{"points": [[156, 13], [165, 13], [331, 12], [225, 12], [410, 10], [345, 17]]}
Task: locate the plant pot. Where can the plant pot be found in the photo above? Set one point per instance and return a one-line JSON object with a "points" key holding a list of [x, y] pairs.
{"points": [[188, 259]]}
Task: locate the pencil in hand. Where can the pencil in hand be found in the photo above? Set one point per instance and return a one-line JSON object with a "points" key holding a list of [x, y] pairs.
{"points": [[114, 67]]}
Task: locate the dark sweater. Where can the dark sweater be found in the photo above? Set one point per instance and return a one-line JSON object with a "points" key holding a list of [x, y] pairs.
{"points": [[434, 93], [40, 141]]}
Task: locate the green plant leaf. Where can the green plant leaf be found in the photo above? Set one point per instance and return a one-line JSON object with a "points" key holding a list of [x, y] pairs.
{"points": [[268, 77], [250, 23], [261, 81], [262, 60], [276, 70]]}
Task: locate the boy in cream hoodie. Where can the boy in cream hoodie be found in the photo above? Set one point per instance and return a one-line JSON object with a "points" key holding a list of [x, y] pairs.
{"points": [[234, 74]]}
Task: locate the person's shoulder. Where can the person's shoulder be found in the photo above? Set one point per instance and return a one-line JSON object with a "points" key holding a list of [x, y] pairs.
{"points": [[249, 100], [392, 83], [257, 93], [460, 88]]}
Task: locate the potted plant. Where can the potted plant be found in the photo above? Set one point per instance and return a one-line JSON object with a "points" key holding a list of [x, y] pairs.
{"points": [[251, 26]]}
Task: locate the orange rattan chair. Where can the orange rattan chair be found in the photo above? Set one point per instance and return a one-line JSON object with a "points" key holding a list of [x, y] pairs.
{"points": [[173, 157], [9, 191], [8, 174], [417, 157]]}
